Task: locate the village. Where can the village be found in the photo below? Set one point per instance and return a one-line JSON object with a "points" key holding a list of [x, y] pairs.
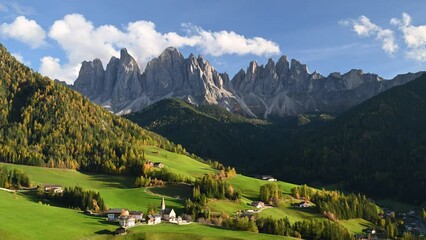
{"points": [[128, 219]]}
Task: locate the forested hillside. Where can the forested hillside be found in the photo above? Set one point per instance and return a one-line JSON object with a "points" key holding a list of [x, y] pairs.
{"points": [[378, 147], [44, 123], [214, 133]]}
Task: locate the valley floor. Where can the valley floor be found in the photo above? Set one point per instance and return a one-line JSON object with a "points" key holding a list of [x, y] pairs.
{"points": [[26, 216]]}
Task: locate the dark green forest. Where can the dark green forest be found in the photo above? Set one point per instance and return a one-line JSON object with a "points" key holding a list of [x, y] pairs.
{"points": [[44, 123], [378, 147]]}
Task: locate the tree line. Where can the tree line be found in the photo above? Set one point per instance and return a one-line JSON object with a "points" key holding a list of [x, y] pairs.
{"points": [[209, 186], [14, 178], [78, 197], [270, 193], [336, 205], [159, 177]]}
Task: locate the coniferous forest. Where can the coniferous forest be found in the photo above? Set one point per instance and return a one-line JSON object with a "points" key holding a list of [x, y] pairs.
{"points": [[43, 123]]}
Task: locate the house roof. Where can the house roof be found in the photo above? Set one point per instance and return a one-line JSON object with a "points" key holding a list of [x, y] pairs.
{"points": [[168, 210], [157, 215], [52, 186], [113, 211], [135, 212], [126, 217]]}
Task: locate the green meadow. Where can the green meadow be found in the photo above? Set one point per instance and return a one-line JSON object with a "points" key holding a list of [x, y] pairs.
{"points": [[23, 218], [192, 231], [26, 217]]}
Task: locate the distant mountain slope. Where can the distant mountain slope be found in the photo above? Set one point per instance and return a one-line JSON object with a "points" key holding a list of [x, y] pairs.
{"points": [[210, 131], [44, 123], [217, 134], [278, 89], [378, 147]]}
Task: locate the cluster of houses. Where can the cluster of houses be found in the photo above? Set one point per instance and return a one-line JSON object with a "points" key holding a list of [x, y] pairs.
{"points": [[127, 219], [257, 204], [156, 164], [303, 204]]}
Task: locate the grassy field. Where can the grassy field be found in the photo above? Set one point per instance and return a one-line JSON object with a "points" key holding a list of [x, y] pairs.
{"points": [[22, 218], [250, 186], [227, 206], [180, 164], [192, 231], [118, 192], [355, 225], [293, 214]]}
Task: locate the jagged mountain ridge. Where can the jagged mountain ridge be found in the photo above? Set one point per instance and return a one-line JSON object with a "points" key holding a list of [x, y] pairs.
{"points": [[275, 89]]}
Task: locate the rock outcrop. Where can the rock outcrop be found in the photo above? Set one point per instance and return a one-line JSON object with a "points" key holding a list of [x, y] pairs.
{"points": [[275, 89]]}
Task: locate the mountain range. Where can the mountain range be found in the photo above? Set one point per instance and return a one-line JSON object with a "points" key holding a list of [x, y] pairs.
{"points": [[272, 90]]}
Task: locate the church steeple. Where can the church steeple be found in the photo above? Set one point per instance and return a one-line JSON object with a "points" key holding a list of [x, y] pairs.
{"points": [[163, 205]]}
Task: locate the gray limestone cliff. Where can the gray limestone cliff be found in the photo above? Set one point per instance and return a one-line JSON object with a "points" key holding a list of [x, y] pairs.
{"points": [[275, 89]]}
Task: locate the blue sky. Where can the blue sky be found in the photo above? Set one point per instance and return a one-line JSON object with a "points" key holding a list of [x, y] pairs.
{"points": [[385, 37]]}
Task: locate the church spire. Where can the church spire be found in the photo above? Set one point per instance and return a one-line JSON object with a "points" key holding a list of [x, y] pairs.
{"points": [[163, 205]]}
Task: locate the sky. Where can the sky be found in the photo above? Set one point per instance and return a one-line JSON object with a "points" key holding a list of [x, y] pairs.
{"points": [[386, 37]]}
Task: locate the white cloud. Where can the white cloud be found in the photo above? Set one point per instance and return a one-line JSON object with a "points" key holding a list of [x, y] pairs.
{"points": [[24, 30], [51, 67], [225, 42], [81, 40], [414, 37], [20, 58], [363, 27]]}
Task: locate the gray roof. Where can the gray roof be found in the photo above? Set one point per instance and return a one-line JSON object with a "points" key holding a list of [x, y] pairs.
{"points": [[167, 210], [135, 212]]}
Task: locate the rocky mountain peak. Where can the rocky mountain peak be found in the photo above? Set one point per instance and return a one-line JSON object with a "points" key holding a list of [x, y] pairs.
{"points": [[90, 78], [282, 68], [296, 66], [170, 54], [279, 88], [270, 65], [252, 67]]}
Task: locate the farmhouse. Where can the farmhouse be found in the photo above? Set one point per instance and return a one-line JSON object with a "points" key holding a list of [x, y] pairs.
{"points": [[258, 204], [138, 215], [153, 219], [304, 204], [53, 187], [113, 213], [158, 165], [126, 221], [268, 178]]}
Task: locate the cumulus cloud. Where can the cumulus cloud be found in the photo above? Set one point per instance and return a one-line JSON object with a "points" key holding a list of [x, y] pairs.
{"points": [[363, 27], [24, 30], [81, 40], [51, 67], [414, 37], [20, 58], [225, 42]]}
